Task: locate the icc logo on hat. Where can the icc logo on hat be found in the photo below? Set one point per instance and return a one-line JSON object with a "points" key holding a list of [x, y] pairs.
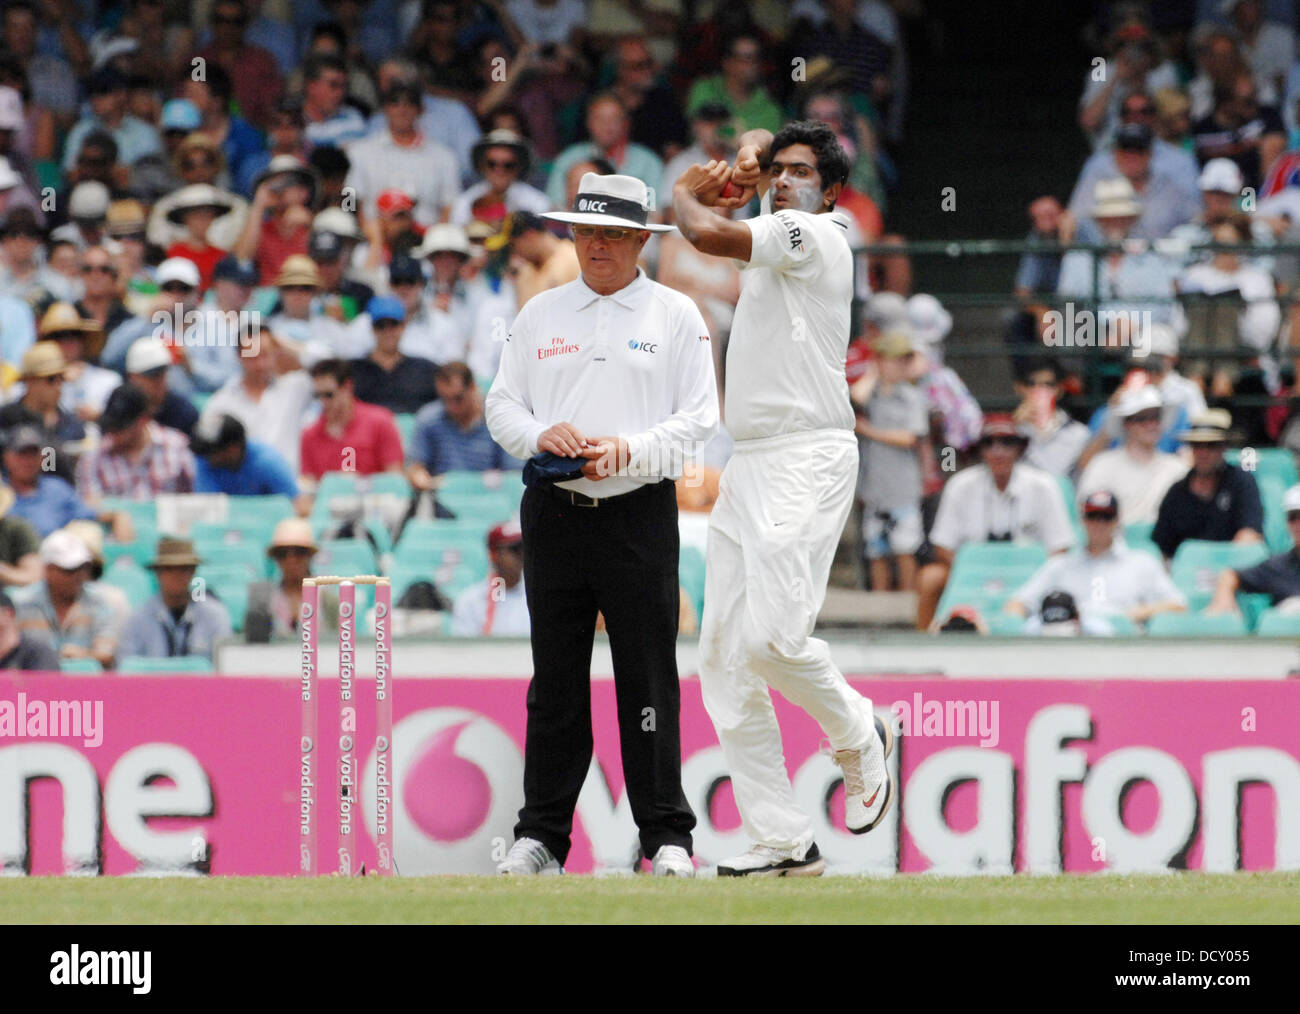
{"points": [[584, 204]]}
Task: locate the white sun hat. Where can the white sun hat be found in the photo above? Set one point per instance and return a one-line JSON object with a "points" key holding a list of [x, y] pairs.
{"points": [[616, 201]]}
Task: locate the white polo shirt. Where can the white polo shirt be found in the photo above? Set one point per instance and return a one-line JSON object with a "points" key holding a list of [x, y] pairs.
{"points": [[636, 364], [1031, 509], [790, 335], [1112, 582]]}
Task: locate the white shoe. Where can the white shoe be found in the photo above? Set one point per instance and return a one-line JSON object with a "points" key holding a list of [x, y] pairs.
{"points": [[672, 861], [527, 857], [868, 785], [766, 861]]}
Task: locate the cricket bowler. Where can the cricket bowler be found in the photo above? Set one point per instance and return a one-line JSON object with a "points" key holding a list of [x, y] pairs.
{"points": [[787, 490]]}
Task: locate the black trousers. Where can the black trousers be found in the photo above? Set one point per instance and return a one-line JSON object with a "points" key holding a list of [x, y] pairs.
{"points": [[619, 558]]}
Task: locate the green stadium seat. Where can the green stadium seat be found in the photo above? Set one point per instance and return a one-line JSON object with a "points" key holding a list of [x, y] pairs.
{"points": [[990, 556], [1005, 625], [1197, 563], [140, 550], [491, 507], [345, 558], [1276, 533], [140, 665], [234, 596], [1271, 461], [1275, 623], [141, 512], [84, 666], [135, 582], [1197, 625], [220, 553]]}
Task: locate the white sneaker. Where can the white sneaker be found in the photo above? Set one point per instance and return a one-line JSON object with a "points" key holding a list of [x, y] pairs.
{"points": [[528, 856], [672, 861], [868, 785], [766, 861]]}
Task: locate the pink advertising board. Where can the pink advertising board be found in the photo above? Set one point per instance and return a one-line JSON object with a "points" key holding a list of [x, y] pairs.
{"points": [[202, 773]]}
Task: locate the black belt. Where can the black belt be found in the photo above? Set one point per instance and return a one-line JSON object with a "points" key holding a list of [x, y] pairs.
{"points": [[577, 499]]}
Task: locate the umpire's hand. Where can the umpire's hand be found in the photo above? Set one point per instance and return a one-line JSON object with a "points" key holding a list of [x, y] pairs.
{"points": [[563, 439]]}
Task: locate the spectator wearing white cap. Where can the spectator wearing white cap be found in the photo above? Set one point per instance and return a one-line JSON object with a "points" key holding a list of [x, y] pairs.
{"points": [[1278, 576], [87, 208], [440, 316], [147, 364], [1124, 280], [1104, 577], [65, 608], [1137, 472], [172, 317], [1181, 396], [1222, 188], [945, 393]]}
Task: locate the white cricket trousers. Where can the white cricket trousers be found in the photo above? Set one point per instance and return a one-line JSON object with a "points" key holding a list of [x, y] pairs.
{"points": [[782, 504]]}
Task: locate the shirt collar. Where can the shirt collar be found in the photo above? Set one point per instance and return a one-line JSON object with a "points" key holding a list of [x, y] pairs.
{"points": [[630, 297]]}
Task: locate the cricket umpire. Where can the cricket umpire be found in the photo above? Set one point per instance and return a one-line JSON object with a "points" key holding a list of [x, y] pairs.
{"points": [[615, 372]]}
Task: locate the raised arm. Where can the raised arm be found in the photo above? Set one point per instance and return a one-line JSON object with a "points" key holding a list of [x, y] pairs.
{"points": [[695, 194]]}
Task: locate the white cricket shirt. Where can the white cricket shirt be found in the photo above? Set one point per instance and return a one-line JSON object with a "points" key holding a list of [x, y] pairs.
{"points": [[1030, 509], [790, 335], [636, 364]]}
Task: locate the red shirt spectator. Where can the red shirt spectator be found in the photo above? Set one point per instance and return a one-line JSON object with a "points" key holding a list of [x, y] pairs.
{"points": [[350, 435], [205, 259]]}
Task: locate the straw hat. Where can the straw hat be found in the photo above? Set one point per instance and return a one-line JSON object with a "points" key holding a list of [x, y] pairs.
{"points": [[43, 360], [298, 269], [174, 553], [1209, 427], [195, 197], [1115, 199], [292, 533]]}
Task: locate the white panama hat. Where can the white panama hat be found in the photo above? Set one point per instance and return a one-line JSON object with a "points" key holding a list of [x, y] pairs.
{"points": [[616, 201]]}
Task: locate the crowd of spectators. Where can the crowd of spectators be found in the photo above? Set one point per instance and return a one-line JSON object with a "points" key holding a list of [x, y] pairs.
{"points": [[246, 244]]}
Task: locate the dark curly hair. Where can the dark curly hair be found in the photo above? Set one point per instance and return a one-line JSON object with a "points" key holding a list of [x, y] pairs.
{"points": [[832, 161]]}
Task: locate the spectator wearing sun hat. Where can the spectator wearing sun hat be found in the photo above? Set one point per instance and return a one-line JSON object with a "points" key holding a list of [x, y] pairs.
{"points": [[279, 219], [1001, 499], [274, 606], [400, 383], [1214, 501], [497, 606], [502, 159], [42, 372], [1137, 471], [175, 623], [300, 315], [196, 207], [1104, 576]]}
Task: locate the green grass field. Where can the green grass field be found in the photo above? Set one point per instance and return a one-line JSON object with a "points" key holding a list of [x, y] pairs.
{"points": [[1184, 898]]}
